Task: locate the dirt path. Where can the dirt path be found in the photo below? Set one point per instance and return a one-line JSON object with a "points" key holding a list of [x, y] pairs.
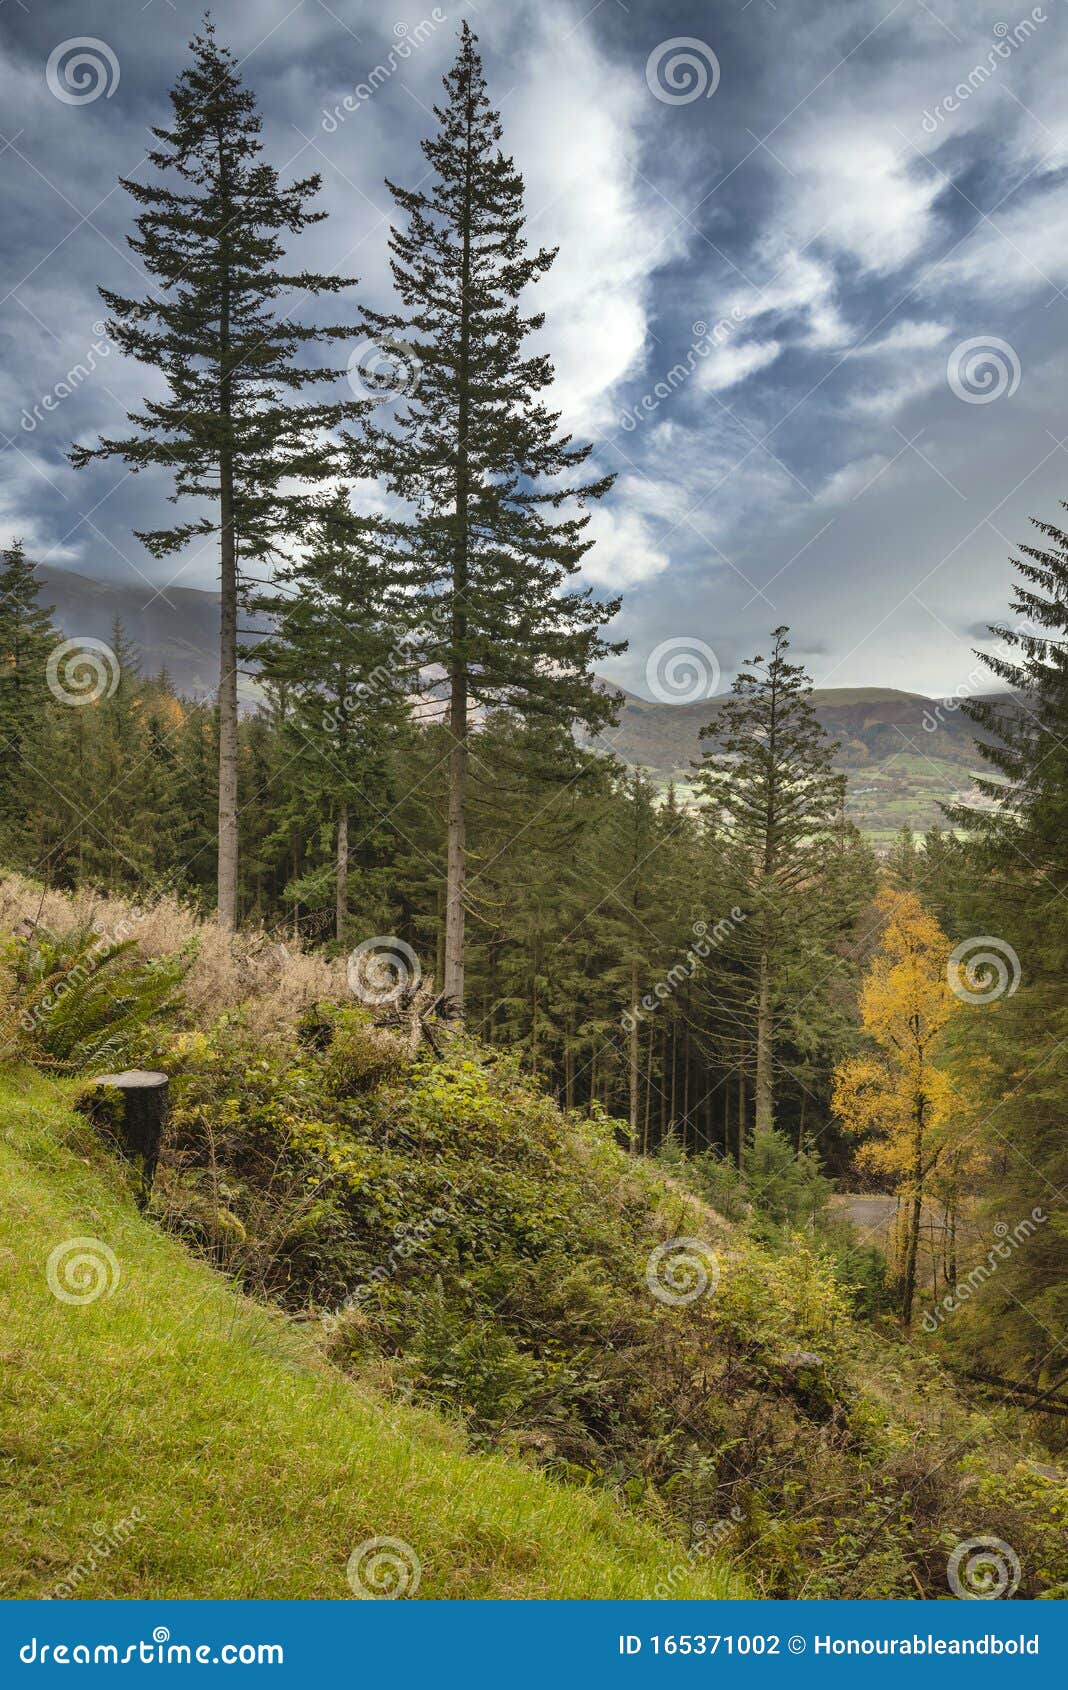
{"points": [[870, 1213]]}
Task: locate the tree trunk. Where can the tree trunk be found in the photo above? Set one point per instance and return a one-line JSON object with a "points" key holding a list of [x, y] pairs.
{"points": [[456, 872], [908, 1287], [227, 861], [763, 1095], [648, 1091], [634, 1054], [741, 1121], [341, 908]]}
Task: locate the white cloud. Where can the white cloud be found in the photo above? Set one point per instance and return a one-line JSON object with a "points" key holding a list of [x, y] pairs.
{"points": [[624, 551], [853, 479], [574, 151], [728, 365], [909, 336]]}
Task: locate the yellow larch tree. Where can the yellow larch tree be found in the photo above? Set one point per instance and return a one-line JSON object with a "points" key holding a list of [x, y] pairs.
{"points": [[897, 1096]]}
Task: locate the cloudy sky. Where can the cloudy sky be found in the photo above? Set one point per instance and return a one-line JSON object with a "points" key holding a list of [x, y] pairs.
{"points": [[811, 302]]}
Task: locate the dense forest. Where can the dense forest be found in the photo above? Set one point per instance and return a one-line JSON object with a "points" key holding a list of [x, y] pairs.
{"points": [[735, 989]]}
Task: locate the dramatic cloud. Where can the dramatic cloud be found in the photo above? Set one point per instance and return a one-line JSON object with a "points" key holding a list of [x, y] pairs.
{"points": [[756, 315]]}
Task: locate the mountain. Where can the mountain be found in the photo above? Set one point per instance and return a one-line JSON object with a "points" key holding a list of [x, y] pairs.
{"points": [[905, 754], [176, 629]]}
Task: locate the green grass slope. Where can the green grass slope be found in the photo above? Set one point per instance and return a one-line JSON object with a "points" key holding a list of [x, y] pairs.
{"points": [[171, 1438]]}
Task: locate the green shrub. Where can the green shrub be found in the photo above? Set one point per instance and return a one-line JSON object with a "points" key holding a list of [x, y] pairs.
{"points": [[80, 1000]]}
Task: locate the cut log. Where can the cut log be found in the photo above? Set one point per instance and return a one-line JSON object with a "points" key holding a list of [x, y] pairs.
{"points": [[130, 1109]]}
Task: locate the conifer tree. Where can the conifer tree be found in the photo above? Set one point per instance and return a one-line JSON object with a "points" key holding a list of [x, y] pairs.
{"points": [[494, 519], [219, 326], [1018, 1039], [27, 637], [345, 672], [776, 801]]}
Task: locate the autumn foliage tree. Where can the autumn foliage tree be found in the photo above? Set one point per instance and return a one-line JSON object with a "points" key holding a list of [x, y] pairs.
{"points": [[896, 1096]]}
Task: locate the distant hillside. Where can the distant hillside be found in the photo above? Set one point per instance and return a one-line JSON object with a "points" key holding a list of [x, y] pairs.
{"points": [[905, 754], [176, 629]]}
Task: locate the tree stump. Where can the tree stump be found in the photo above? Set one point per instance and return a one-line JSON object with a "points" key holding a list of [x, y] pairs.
{"points": [[130, 1109]]}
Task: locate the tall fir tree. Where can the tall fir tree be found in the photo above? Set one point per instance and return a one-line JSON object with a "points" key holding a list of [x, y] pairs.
{"points": [[1018, 1041], [232, 427], [776, 800], [27, 637], [341, 665], [494, 523]]}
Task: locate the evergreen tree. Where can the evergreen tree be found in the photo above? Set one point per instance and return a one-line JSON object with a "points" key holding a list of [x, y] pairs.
{"points": [[1018, 1040], [777, 802], [494, 522], [344, 672], [232, 428], [27, 637]]}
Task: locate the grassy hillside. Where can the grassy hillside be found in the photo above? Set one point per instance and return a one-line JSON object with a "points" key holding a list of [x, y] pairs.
{"points": [[207, 1445], [481, 1327], [904, 755]]}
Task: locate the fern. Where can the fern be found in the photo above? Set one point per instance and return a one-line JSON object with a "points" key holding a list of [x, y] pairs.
{"points": [[80, 1000]]}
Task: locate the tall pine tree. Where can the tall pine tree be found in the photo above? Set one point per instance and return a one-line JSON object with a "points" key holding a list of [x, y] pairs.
{"points": [[776, 800], [232, 427], [26, 639], [343, 672], [494, 521]]}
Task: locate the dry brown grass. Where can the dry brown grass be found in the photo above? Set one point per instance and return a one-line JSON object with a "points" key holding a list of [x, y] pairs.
{"points": [[272, 982]]}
